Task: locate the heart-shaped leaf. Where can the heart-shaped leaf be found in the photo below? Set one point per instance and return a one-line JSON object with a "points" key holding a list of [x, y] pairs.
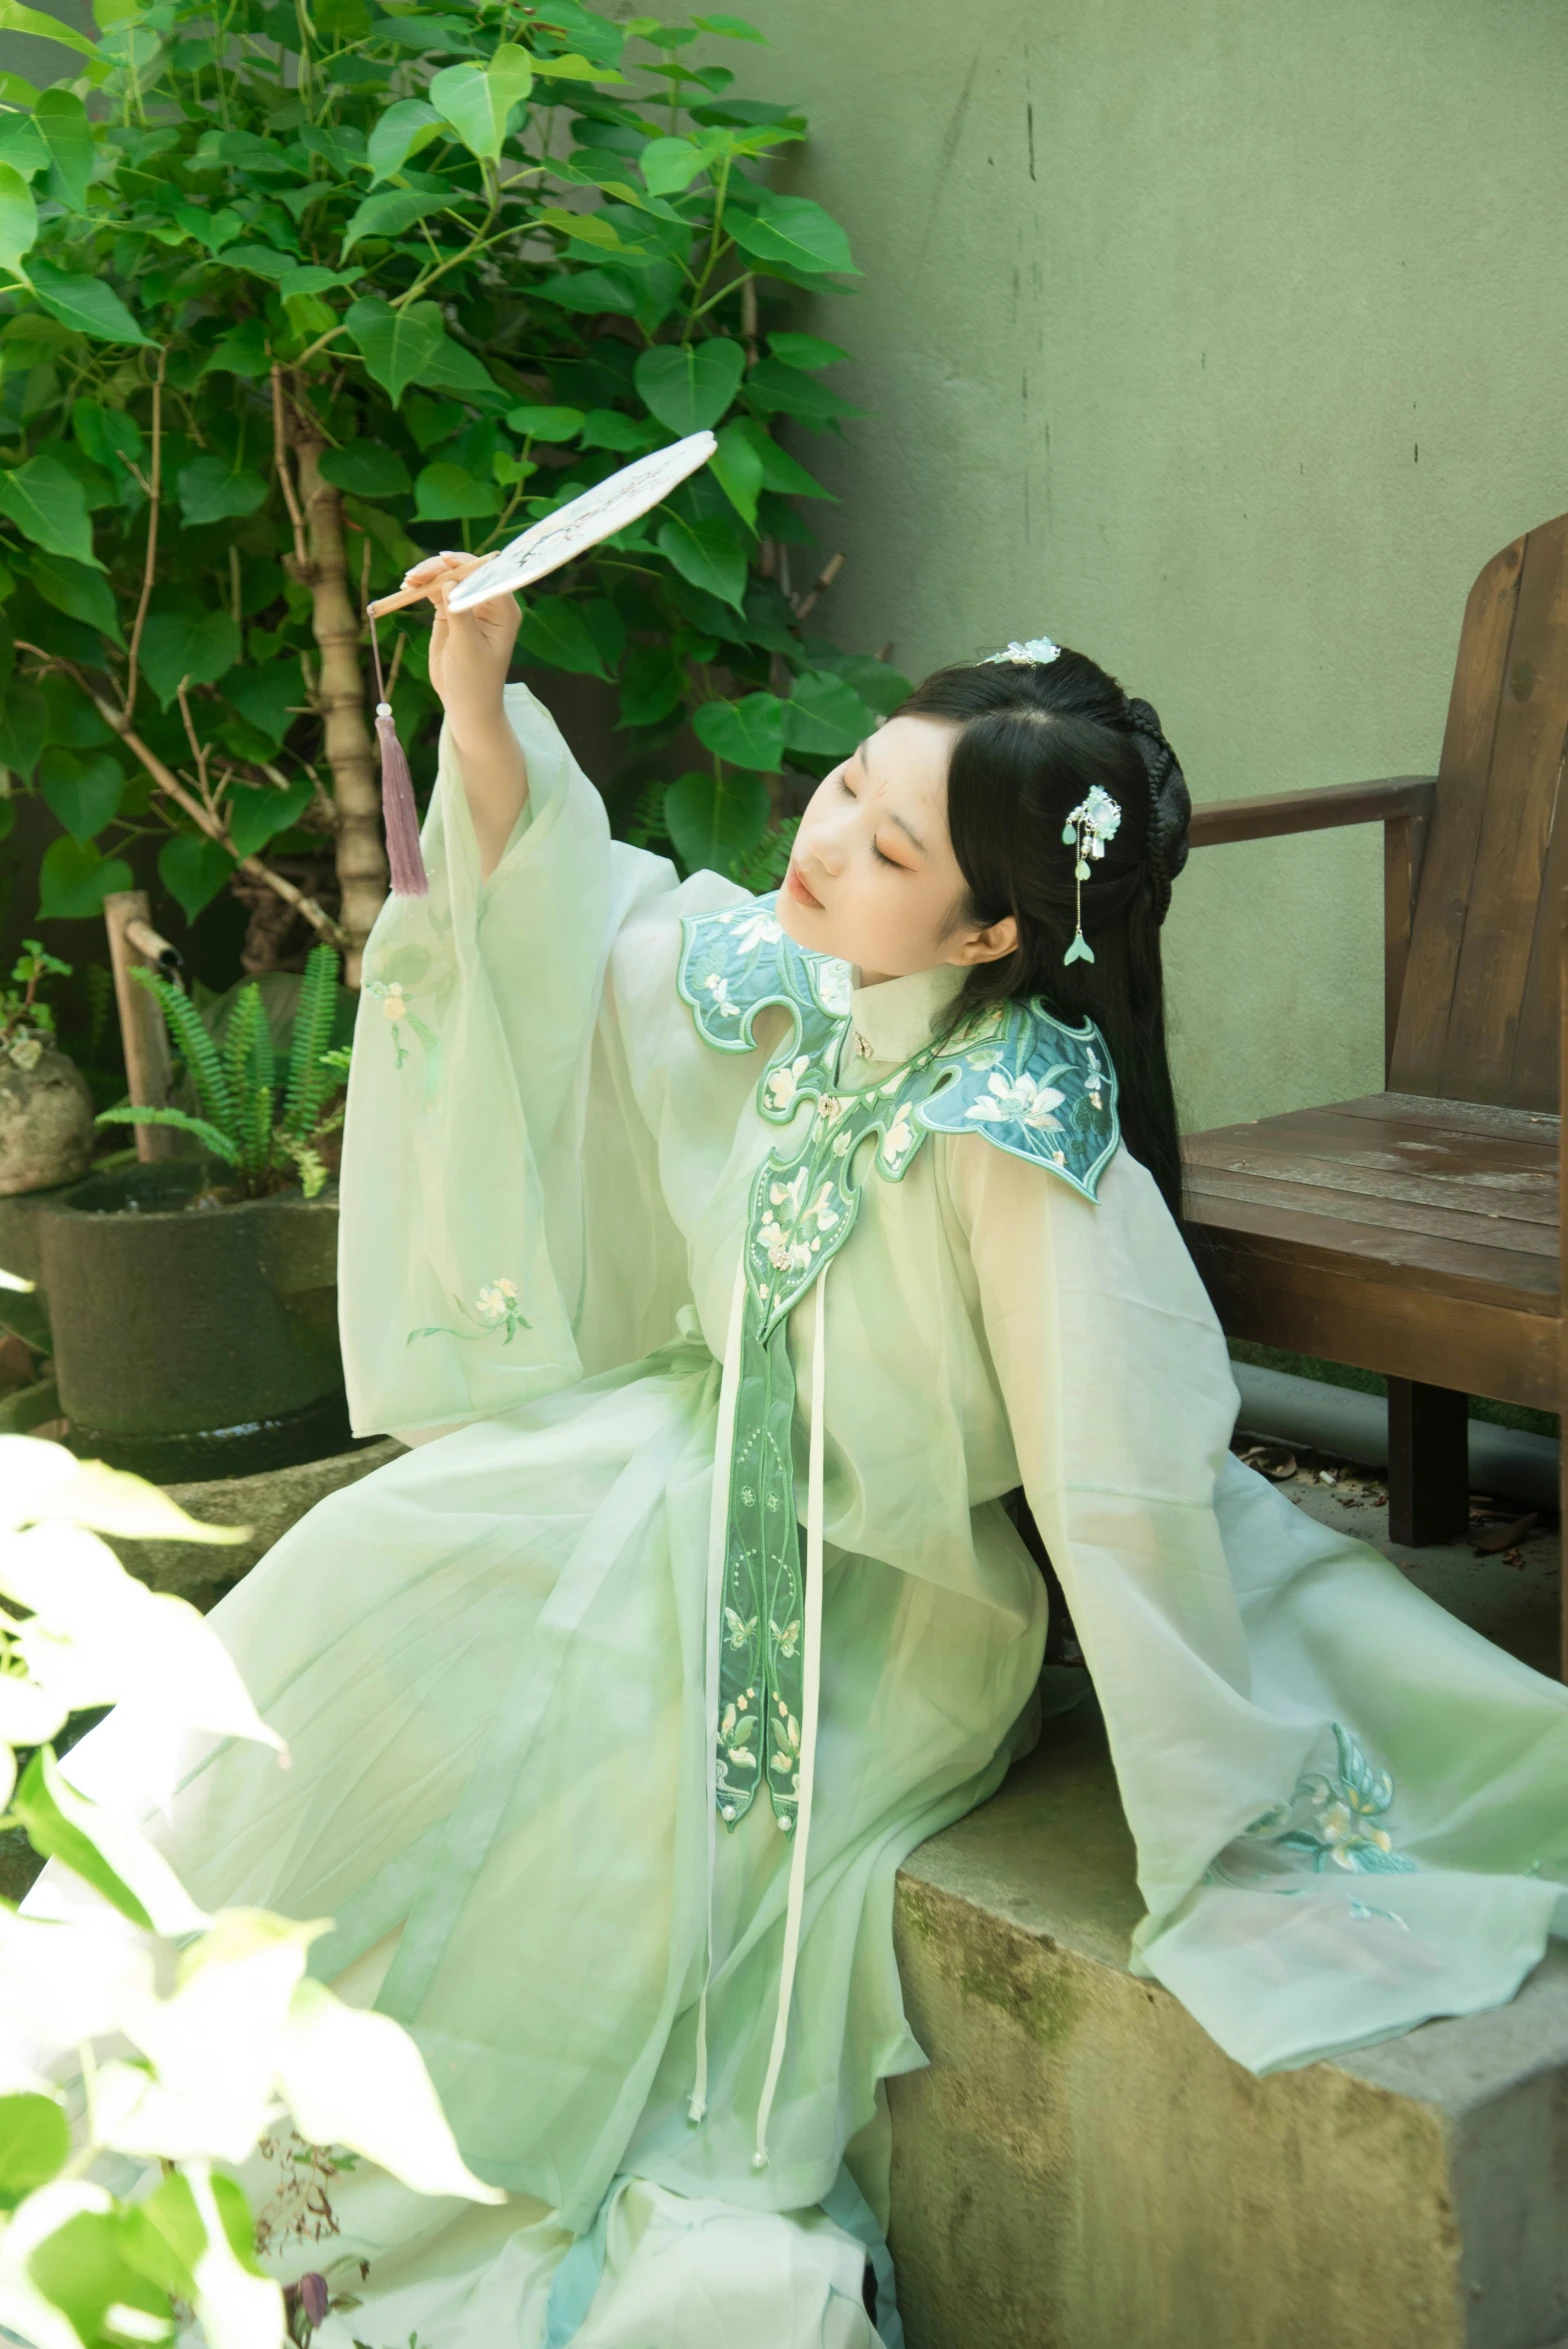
{"points": [[193, 869], [825, 716], [391, 212], [688, 386], [24, 724], [18, 218], [82, 787], [21, 146], [445, 492], [74, 880], [737, 466], [668, 165], [555, 632], [211, 491], [805, 350], [366, 470], [794, 232], [545, 423], [64, 127], [15, 18], [708, 553], [452, 368], [772, 385], [477, 100], [748, 733], [395, 344], [49, 506], [733, 28], [242, 351], [35, 2145], [180, 646], [78, 591], [651, 685], [780, 471], [257, 812], [260, 261], [107, 436], [716, 822], [85, 304], [269, 698], [400, 133]]}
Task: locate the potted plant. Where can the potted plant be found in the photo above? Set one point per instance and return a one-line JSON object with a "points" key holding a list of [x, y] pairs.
{"points": [[46, 1110], [193, 1301]]}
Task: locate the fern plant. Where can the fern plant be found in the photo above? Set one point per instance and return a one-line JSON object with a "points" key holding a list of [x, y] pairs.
{"points": [[268, 1147]]}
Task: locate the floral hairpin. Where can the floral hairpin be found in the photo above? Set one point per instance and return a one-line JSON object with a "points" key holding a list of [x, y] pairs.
{"points": [[1092, 822], [1035, 654]]}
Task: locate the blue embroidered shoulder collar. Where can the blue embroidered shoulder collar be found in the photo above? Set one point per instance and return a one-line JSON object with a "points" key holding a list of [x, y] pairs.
{"points": [[1033, 1086]]}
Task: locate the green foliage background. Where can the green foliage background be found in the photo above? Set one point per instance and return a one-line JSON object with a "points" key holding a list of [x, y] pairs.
{"points": [[479, 256]]}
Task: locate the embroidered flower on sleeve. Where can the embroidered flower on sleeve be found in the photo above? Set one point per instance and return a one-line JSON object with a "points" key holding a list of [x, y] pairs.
{"points": [[394, 1003], [784, 1083], [496, 1307], [1021, 1098]]}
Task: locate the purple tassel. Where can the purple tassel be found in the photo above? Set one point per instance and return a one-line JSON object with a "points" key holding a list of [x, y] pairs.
{"points": [[398, 812]]}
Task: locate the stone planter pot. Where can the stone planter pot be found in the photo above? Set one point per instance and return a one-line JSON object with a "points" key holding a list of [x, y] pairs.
{"points": [[194, 1342], [46, 1123]]}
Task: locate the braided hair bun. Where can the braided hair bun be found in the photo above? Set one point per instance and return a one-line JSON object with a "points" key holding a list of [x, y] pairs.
{"points": [[1170, 812]]}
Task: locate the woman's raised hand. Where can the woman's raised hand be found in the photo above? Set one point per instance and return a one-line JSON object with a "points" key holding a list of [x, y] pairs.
{"points": [[470, 652]]}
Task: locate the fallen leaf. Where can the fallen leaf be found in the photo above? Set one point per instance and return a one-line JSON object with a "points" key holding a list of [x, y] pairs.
{"points": [[1270, 1460], [1506, 1536]]}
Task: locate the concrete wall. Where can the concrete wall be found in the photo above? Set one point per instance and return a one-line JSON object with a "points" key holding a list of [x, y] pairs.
{"points": [[1225, 339]]}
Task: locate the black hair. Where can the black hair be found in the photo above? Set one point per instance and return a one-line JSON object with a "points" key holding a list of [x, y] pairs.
{"points": [[1034, 739]]}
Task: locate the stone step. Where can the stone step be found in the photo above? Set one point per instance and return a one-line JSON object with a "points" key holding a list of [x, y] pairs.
{"points": [[1082, 2168]]}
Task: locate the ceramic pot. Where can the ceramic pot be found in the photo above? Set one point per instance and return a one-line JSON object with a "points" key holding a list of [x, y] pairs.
{"points": [[194, 1342], [46, 1120]]}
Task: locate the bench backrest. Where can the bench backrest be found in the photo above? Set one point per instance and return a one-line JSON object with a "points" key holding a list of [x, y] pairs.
{"points": [[1478, 1016]]}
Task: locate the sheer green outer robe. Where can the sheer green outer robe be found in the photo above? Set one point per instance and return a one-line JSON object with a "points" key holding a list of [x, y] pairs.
{"points": [[488, 1658]]}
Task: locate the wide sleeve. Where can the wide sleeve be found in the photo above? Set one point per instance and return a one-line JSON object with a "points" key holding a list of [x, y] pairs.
{"points": [[462, 1233], [1118, 1392]]}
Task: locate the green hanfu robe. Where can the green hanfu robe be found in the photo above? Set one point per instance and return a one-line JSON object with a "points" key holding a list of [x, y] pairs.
{"points": [[594, 1116]]}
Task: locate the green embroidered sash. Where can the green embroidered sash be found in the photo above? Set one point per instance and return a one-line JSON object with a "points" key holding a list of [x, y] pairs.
{"points": [[1042, 1091]]}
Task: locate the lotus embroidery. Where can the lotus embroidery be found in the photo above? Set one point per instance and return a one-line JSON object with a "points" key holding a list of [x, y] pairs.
{"points": [[1020, 1097], [784, 1083]]}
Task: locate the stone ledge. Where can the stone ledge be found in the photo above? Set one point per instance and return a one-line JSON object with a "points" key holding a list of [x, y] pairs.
{"points": [[269, 1504], [1082, 2168]]}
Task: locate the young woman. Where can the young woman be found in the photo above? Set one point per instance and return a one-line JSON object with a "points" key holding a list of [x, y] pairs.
{"points": [[726, 1262]]}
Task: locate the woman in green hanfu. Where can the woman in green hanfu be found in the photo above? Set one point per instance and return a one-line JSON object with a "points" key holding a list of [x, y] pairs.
{"points": [[726, 1262]]}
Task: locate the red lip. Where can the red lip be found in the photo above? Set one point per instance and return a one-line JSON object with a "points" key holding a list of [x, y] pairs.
{"points": [[798, 890]]}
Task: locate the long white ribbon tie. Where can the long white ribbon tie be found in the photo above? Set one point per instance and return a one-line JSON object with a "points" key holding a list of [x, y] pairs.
{"points": [[718, 1536], [811, 1693]]}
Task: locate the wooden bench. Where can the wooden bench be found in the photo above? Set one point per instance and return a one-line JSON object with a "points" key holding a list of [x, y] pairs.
{"points": [[1417, 1232]]}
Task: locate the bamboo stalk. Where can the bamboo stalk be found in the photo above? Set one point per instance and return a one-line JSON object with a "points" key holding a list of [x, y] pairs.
{"points": [[350, 750]]}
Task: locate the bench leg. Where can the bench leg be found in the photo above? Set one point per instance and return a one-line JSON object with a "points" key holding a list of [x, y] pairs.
{"points": [[1428, 1462]]}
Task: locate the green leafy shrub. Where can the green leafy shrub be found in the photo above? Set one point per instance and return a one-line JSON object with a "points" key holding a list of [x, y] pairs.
{"points": [[267, 1147], [299, 292]]}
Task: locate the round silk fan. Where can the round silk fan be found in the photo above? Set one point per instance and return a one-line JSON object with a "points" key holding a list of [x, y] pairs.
{"points": [[543, 547]]}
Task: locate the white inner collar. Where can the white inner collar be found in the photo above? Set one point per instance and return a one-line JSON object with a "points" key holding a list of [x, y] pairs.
{"points": [[892, 1021]]}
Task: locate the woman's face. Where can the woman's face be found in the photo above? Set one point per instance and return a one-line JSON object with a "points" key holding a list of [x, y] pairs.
{"points": [[873, 878]]}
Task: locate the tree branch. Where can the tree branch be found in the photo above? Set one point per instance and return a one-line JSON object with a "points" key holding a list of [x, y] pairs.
{"points": [[154, 494]]}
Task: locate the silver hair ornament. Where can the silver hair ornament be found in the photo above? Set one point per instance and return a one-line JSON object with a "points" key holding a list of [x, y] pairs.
{"points": [[1089, 826], [1037, 653]]}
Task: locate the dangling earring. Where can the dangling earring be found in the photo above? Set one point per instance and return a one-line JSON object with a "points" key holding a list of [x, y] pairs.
{"points": [[1092, 822]]}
